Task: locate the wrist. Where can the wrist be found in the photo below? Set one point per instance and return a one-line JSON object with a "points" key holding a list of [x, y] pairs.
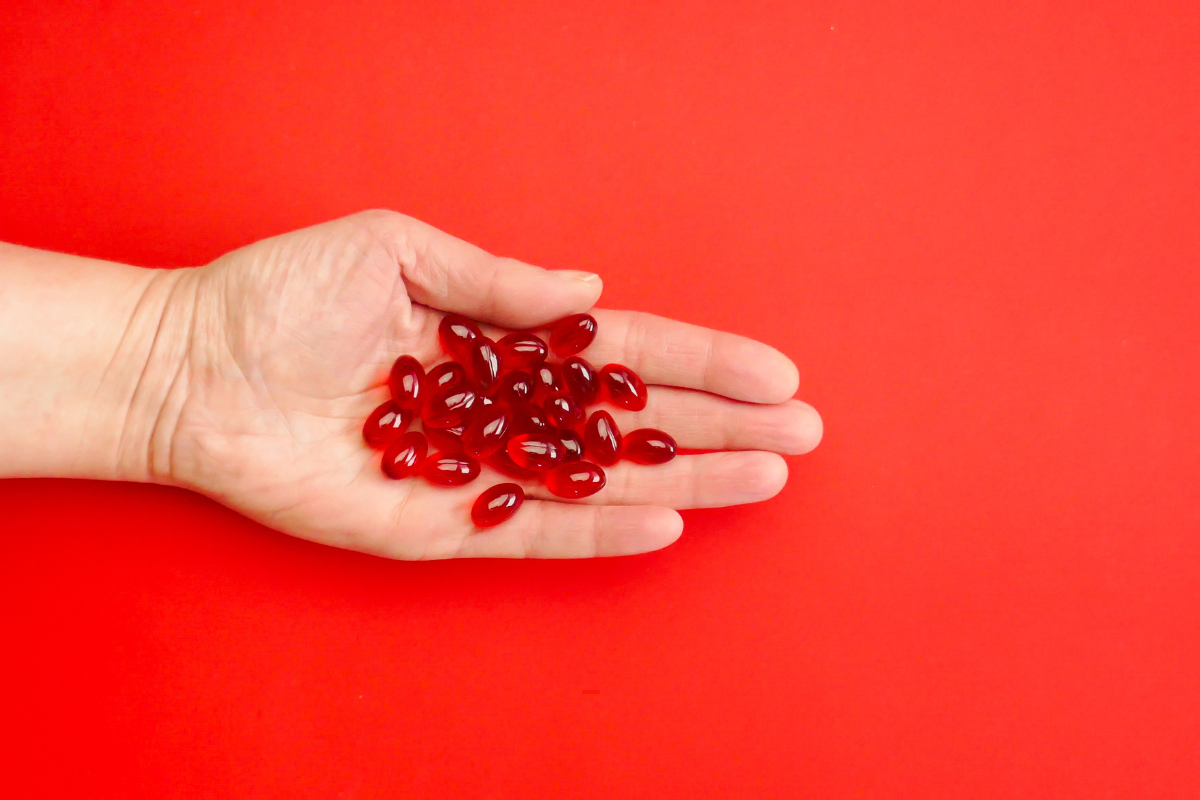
{"points": [[88, 354], [150, 379]]}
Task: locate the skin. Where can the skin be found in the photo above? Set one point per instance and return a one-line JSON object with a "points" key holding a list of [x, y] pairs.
{"points": [[248, 380]]}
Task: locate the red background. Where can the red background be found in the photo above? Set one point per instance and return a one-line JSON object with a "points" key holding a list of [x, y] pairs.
{"points": [[976, 230]]}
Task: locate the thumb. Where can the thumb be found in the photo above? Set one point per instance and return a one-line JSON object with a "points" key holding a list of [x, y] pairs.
{"points": [[452, 275]]}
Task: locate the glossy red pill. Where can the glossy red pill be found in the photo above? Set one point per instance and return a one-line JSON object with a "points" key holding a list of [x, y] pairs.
{"points": [[386, 424], [572, 445], [448, 440], [457, 333], [536, 451], [602, 439], [449, 407], [528, 419], [623, 387], [563, 410], [445, 376], [581, 380], [547, 378], [575, 479], [521, 350], [648, 446], [449, 469], [572, 334], [487, 431], [403, 457], [484, 364], [496, 504], [503, 463], [516, 387], [407, 382]]}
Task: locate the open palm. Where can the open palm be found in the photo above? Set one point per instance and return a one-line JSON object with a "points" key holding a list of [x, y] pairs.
{"points": [[288, 346]]}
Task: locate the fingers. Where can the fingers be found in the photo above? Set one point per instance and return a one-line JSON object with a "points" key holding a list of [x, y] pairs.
{"points": [[542, 529], [665, 351], [701, 421], [446, 273], [452, 275], [710, 480]]}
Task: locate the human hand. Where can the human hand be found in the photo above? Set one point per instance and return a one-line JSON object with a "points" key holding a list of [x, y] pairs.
{"points": [[285, 346]]}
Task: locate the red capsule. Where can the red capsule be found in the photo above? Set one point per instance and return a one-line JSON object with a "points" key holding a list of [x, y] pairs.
{"points": [[648, 446], [623, 387], [484, 364], [445, 376], [457, 334], [503, 463], [547, 378], [572, 334], [496, 504], [581, 380], [536, 451], [528, 419], [449, 408], [403, 457], [407, 382], [449, 469], [386, 424], [572, 445], [487, 431], [516, 387], [602, 439], [521, 350], [576, 479], [562, 410], [446, 440]]}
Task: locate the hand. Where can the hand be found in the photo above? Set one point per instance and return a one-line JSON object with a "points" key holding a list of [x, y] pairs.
{"points": [[286, 348]]}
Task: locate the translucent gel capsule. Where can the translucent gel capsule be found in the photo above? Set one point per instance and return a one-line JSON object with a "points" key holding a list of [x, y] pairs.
{"points": [[449, 408], [572, 334], [572, 445], [407, 382], [547, 378], [449, 469], [445, 376], [386, 424], [623, 387], [521, 350], [602, 439], [457, 333], [648, 446], [516, 387], [487, 431], [503, 463], [562, 410], [496, 504], [483, 367], [403, 457], [575, 479], [528, 419], [447, 440], [581, 380], [536, 451]]}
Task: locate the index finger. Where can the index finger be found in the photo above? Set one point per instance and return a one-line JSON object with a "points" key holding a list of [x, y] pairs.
{"points": [[665, 351]]}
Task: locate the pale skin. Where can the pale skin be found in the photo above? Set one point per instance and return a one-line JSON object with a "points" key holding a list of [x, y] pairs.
{"points": [[248, 380]]}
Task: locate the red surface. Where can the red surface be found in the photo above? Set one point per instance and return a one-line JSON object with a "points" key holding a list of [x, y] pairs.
{"points": [[974, 226]]}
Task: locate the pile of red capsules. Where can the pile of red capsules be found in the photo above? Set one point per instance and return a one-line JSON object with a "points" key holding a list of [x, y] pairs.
{"points": [[505, 404]]}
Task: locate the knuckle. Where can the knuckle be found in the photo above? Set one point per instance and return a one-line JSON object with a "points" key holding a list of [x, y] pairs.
{"points": [[632, 349]]}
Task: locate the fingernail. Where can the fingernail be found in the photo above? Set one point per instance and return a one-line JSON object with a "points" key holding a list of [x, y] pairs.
{"points": [[574, 274]]}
